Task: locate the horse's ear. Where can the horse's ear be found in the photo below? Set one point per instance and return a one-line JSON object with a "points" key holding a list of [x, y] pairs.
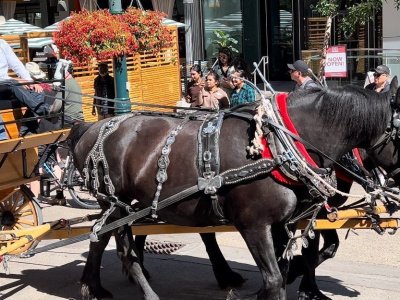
{"points": [[394, 84], [397, 98], [394, 91]]}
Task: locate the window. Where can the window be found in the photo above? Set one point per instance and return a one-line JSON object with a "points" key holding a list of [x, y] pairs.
{"points": [[226, 17]]}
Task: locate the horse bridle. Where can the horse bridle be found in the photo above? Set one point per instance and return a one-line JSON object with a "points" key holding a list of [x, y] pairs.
{"points": [[392, 133]]}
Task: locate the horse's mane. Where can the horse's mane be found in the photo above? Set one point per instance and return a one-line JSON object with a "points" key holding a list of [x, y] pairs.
{"points": [[362, 113], [246, 107]]}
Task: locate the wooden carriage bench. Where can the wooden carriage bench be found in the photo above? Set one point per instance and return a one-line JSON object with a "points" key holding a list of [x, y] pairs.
{"points": [[19, 155]]}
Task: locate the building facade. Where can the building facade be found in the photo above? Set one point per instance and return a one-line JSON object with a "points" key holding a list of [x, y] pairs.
{"points": [[282, 30]]}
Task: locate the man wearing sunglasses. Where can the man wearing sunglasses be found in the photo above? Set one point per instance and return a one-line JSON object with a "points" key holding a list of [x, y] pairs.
{"points": [[299, 72], [381, 79]]}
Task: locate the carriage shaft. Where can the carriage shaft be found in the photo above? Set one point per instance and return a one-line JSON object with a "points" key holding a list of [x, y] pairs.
{"points": [[149, 229]]}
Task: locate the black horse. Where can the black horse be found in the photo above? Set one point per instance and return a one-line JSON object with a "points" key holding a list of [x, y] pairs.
{"points": [[384, 154], [342, 119]]}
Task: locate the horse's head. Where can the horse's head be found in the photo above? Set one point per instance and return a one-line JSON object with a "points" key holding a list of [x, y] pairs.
{"points": [[385, 151], [342, 118]]}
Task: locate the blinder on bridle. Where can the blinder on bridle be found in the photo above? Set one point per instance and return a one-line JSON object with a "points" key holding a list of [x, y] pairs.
{"points": [[391, 134]]}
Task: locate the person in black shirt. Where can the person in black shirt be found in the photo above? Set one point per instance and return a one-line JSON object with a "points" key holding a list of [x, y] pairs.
{"points": [[104, 88]]}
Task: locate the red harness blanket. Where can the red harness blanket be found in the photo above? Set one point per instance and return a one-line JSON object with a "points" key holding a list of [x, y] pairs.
{"points": [[281, 100]]}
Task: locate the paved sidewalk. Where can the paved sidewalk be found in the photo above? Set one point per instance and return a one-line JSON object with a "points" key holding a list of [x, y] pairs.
{"points": [[186, 274], [365, 267]]}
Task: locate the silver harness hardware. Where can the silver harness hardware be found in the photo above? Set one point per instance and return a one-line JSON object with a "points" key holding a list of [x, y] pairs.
{"points": [[94, 158], [163, 163]]}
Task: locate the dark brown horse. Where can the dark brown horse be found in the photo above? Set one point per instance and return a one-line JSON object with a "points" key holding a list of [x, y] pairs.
{"points": [[342, 119]]}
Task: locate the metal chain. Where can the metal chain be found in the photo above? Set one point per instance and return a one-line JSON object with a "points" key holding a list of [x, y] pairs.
{"points": [[163, 163], [96, 155]]}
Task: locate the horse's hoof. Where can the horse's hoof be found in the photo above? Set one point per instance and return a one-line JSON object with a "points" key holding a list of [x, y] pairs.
{"points": [[232, 280], [312, 295], [233, 295], [99, 294]]}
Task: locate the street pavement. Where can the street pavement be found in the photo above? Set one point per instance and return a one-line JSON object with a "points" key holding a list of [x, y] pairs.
{"points": [[365, 267]]}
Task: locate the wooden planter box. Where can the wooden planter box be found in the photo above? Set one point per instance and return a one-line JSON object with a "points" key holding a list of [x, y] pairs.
{"points": [[153, 79]]}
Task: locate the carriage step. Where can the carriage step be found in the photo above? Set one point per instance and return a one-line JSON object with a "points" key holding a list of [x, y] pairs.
{"points": [[162, 247]]}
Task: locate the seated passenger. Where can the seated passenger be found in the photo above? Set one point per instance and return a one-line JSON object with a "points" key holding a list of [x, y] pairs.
{"points": [[31, 94]]}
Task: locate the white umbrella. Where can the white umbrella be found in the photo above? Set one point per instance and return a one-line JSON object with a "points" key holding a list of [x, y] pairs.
{"points": [[169, 22], [13, 26], [54, 27]]}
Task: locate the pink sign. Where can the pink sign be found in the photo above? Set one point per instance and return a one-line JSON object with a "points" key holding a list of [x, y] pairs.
{"points": [[336, 65]]}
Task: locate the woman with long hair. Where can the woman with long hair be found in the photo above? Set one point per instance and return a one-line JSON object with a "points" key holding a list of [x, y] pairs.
{"points": [[224, 68]]}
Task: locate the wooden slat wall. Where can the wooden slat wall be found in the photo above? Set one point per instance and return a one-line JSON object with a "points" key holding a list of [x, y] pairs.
{"points": [[316, 31], [152, 79]]}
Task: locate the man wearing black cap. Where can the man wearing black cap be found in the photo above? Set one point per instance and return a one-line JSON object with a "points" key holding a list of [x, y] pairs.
{"points": [[299, 73], [381, 80]]}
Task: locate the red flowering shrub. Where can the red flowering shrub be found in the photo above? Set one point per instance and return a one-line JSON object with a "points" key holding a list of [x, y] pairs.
{"points": [[147, 27], [101, 35]]}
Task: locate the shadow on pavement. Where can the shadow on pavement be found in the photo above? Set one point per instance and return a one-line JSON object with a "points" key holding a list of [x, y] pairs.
{"points": [[173, 277], [336, 287]]}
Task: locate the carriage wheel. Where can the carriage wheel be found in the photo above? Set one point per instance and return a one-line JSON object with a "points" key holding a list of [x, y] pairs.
{"points": [[18, 211]]}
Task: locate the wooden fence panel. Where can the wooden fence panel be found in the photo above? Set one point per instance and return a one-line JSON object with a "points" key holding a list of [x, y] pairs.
{"points": [[153, 79]]}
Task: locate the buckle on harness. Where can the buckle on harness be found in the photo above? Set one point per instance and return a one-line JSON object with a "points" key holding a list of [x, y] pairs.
{"points": [[210, 185]]}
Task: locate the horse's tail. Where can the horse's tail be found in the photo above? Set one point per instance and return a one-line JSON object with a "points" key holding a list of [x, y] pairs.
{"points": [[76, 132]]}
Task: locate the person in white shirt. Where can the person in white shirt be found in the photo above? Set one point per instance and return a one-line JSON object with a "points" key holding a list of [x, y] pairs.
{"points": [[30, 94]]}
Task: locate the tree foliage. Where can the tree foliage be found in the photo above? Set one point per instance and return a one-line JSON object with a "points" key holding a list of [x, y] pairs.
{"points": [[357, 12]]}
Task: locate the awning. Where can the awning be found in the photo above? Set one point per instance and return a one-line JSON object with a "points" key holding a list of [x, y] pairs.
{"points": [[39, 42], [13, 26]]}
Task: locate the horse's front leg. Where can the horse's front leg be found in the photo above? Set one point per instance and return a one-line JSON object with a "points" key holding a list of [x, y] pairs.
{"points": [[140, 242], [331, 244], [131, 261], [302, 264], [261, 246], [308, 288], [91, 286], [225, 276]]}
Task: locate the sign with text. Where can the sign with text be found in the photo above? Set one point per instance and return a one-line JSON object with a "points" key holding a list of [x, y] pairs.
{"points": [[336, 65]]}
